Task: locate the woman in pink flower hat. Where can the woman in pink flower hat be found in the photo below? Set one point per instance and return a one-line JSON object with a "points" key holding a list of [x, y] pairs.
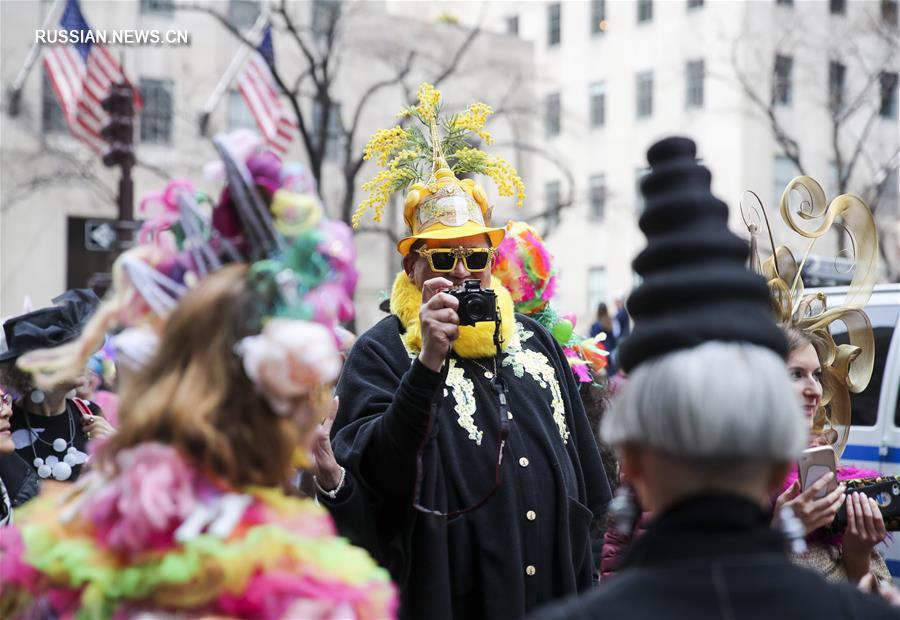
{"points": [[184, 512]]}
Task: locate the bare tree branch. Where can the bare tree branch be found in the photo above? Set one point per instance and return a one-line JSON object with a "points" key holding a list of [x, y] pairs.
{"points": [[390, 234], [552, 211], [454, 61]]}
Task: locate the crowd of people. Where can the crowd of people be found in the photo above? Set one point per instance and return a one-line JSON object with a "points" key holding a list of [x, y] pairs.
{"points": [[469, 456]]}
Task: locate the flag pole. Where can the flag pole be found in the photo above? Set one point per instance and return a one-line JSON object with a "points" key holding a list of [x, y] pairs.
{"points": [[15, 91], [236, 63]]}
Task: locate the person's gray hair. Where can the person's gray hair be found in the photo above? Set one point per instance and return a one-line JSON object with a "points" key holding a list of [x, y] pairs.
{"points": [[718, 401]]}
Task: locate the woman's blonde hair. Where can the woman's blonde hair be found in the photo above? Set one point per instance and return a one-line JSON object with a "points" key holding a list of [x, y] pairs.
{"points": [[195, 396]]}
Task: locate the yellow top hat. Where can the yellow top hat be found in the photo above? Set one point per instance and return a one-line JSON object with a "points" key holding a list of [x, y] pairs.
{"points": [[447, 209], [439, 205]]}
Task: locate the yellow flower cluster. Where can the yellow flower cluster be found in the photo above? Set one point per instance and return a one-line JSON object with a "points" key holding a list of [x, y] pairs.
{"points": [[383, 185], [507, 179], [384, 142], [474, 119], [429, 100], [471, 159]]}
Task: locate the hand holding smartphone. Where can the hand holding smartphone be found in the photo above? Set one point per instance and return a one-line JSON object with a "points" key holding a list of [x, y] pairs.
{"points": [[815, 463]]}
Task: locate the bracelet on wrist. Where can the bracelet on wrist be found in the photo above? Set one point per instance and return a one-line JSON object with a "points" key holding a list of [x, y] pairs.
{"points": [[332, 493]]}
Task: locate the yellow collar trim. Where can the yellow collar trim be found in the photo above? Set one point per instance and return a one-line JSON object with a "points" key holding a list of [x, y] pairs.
{"points": [[474, 340]]}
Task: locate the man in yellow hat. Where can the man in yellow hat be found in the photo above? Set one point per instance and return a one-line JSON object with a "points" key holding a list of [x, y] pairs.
{"points": [[467, 443]]}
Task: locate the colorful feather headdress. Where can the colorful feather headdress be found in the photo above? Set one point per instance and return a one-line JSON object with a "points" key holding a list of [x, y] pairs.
{"points": [[268, 215], [525, 267]]}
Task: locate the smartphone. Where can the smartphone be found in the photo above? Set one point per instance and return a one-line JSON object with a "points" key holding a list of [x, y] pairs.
{"points": [[815, 463], [886, 493]]}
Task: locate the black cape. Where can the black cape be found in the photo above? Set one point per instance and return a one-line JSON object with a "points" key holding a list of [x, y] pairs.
{"points": [[529, 544], [714, 557]]}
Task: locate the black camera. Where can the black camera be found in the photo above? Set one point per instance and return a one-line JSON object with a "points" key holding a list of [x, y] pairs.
{"points": [[476, 305]]}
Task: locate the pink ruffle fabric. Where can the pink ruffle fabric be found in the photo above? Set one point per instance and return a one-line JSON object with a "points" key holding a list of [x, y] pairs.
{"points": [[141, 508]]}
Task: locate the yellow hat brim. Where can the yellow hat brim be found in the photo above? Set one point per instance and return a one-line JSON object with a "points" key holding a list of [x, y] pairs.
{"points": [[453, 232]]}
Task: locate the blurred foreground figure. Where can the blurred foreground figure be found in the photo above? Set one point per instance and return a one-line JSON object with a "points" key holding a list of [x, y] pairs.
{"points": [[183, 512], [706, 427]]}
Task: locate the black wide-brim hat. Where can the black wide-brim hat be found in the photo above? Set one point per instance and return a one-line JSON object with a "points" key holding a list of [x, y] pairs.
{"points": [[49, 327]]}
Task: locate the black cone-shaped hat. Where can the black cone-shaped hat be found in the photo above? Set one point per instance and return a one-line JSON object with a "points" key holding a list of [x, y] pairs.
{"points": [[696, 286]]}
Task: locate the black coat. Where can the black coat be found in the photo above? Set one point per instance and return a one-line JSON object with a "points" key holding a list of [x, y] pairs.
{"points": [[474, 565], [19, 478], [715, 557]]}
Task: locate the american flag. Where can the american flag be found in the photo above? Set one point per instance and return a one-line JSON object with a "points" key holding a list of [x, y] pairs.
{"points": [[81, 73], [259, 90]]}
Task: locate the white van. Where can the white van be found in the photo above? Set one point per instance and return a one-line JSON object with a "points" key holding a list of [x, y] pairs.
{"points": [[875, 432]]}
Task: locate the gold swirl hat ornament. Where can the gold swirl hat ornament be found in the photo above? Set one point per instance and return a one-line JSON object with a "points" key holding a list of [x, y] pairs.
{"points": [[845, 367], [438, 204]]}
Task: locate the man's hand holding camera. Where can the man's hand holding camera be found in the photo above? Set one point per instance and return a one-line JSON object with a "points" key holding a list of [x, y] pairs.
{"points": [[439, 322]]}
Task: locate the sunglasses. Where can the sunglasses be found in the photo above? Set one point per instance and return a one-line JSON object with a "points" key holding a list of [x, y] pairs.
{"points": [[443, 260]]}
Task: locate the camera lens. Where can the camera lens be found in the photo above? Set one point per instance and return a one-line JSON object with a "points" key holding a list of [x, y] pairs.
{"points": [[476, 308]]}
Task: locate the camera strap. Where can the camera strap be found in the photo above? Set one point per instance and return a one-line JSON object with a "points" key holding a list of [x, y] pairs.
{"points": [[500, 388]]}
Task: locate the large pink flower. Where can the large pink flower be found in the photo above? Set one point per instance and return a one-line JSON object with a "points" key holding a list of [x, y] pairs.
{"points": [[288, 359], [142, 506]]}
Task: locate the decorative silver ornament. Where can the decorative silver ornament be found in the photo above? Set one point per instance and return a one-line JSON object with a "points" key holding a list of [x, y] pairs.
{"points": [[71, 460], [59, 444], [44, 471], [36, 396], [51, 460], [37, 462]]}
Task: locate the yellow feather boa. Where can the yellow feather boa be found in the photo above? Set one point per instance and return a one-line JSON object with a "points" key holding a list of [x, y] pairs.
{"points": [[474, 340]]}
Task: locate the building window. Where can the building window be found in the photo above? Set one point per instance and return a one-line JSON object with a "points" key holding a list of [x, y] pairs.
{"points": [[598, 16], [553, 23], [243, 13], [644, 88], [694, 4], [889, 12], [639, 204], [598, 104], [324, 15], [53, 120], [784, 88], [597, 197], [552, 204], [512, 25], [837, 73], [159, 7], [694, 90], [645, 10], [552, 114], [156, 117], [596, 288], [784, 172], [838, 7], [888, 94], [239, 114], [333, 129]]}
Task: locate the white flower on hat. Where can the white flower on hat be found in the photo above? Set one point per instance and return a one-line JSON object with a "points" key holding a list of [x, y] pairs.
{"points": [[288, 359]]}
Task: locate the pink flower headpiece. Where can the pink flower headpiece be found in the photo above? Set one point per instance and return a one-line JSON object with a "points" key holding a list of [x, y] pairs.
{"points": [[289, 359]]}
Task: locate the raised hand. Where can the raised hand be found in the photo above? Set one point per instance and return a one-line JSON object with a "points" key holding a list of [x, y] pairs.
{"points": [[439, 322], [813, 513]]}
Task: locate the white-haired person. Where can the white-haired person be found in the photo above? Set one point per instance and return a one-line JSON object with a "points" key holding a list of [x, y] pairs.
{"points": [[707, 427]]}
